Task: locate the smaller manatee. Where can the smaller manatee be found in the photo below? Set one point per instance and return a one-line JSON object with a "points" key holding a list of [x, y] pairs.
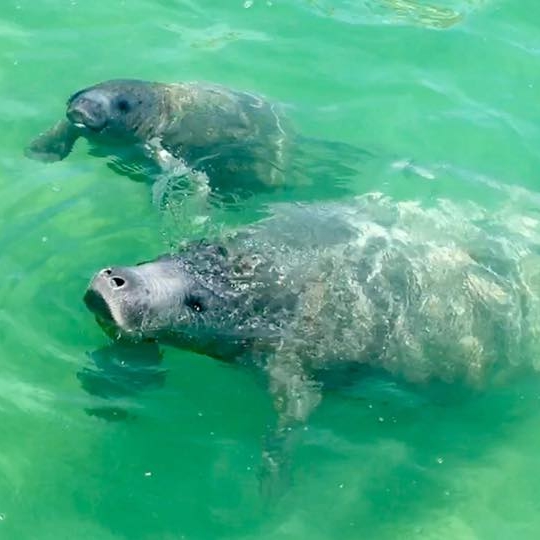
{"points": [[236, 138]]}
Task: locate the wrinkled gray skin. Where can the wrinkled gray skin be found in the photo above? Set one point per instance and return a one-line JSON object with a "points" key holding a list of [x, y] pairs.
{"points": [[441, 293], [236, 138]]}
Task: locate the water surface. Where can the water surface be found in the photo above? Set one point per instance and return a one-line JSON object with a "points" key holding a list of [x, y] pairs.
{"points": [[449, 86]]}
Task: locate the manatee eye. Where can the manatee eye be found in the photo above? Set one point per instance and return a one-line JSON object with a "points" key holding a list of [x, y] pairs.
{"points": [[195, 303], [123, 105]]}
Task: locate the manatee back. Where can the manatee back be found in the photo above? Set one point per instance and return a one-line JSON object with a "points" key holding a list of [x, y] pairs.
{"points": [[436, 292], [239, 139]]}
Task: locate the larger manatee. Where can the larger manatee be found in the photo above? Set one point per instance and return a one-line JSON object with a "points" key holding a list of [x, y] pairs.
{"points": [[425, 293]]}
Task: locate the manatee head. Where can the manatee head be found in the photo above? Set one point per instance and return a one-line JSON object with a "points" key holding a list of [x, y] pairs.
{"points": [[123, 111], [121, 108], [202, 300]]}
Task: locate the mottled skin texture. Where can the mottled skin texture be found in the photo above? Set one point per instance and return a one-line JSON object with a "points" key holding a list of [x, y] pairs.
{"points": [[236, 138], [440, 293]]}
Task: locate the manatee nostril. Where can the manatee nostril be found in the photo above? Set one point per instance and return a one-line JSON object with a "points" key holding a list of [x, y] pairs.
{"points": [[117, 282], [107, 271]]}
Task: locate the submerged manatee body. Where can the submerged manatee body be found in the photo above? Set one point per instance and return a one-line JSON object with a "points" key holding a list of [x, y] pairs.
{"points": [[236, 138], [438, 293], [236, 142]]}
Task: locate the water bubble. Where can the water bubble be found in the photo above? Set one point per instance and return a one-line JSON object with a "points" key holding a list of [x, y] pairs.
{"points": [[248, 4], [440, 460], [148, 473]]}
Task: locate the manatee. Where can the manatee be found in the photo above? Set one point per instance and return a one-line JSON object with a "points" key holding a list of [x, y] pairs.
{"points": [[236, 141], [438, 293], [236, 138]]}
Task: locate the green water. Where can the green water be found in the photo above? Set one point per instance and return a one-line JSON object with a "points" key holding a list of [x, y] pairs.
{"points": [[450, 84]]}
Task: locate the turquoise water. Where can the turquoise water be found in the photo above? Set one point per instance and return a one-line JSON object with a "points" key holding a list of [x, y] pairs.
{"points": [[449, 86]]}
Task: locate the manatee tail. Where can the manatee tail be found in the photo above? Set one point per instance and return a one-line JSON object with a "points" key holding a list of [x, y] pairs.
{"points": [[329, 168]]}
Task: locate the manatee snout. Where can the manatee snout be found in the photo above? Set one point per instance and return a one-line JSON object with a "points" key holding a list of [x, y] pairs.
{"points": [[89, 109], [136, 301], [107, 292]]}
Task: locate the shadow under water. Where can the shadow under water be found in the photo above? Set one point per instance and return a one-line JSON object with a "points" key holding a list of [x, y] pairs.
{"points": [[121, 370]]}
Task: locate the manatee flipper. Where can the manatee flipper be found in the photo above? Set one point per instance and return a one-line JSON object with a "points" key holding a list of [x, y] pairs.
{"points": [[55, 144], [166, 161], [295, 396]]}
